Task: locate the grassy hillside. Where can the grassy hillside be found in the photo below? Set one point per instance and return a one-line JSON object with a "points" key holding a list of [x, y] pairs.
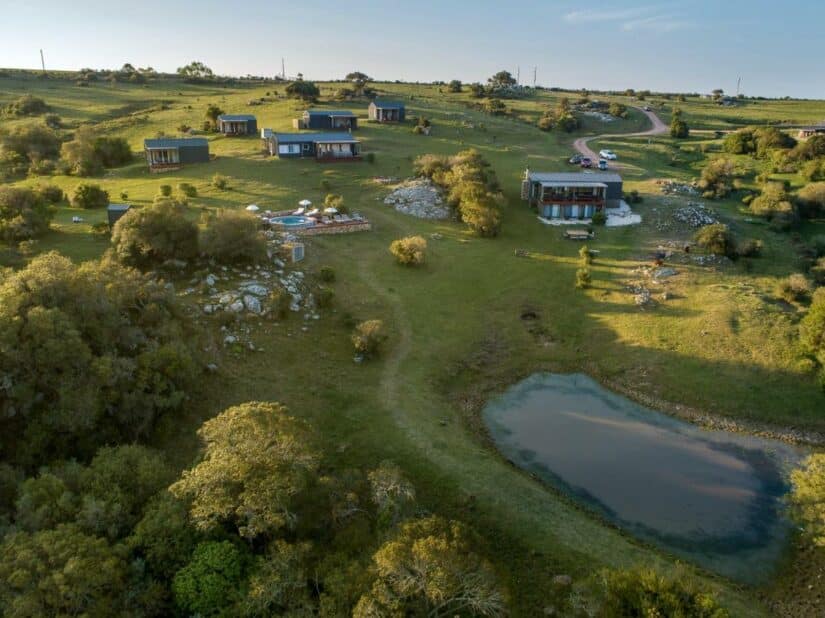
{"points": [[720, 344]]}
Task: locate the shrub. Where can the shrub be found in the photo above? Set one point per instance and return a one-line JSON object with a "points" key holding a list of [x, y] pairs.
{"points": [[53, 121], [409, 251], [219, 181], [24, 214], [818, 271], [324, 297], [585, 256], [811, 199], [567, 122], [165, 190], [750, 248], [87, 195], [772, 202], [633, 197], [368, 337], [679, 128], [279, 302], [618, 110], [27, 105], [717, 239], [31, 143], [326, 274], [717, 178], [187, 190], [51, 193], [333, 200], [454, 86], [234, 236], [808, 498], [793, 288], [300, 89], [599, 218], [494, 107], [583, 279], [546, 122], [88, 155], [151, 235]]}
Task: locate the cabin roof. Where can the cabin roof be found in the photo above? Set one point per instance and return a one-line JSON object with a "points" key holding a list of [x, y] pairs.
{"points": [[384, 104], [175, 142], [119, 207], [324, 112], [301, 138], [590, 178], [236, 117]]}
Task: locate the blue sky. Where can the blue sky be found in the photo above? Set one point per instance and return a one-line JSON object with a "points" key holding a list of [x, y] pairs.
{"points": [[693, 45]]}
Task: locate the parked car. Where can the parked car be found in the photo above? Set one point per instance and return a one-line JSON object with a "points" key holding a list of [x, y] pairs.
{"points": [[575, 159], [608, 154], [586, 162], [647, 108], [602, 164]]}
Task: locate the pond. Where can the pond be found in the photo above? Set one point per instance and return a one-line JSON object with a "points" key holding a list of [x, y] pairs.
{"points": [[713, 497]]}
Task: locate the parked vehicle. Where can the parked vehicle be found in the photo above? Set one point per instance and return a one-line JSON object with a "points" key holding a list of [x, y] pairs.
{"points": [[586, 162], [602, 164], [608, 154], [575, 159], [647, 108]]}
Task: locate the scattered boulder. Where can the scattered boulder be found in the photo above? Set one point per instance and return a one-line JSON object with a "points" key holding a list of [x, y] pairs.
{"points": [[252, 304], [420, 198]]}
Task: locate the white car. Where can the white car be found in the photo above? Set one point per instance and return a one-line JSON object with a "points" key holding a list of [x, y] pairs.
{"points": [[608, 154]]}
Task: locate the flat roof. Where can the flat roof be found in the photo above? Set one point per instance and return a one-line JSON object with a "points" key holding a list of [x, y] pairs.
{"points": [[567, 183], [179, 142], [323, 112], [236, 117], [388, 104], [300, 138], [119, 207], [574, 177]]}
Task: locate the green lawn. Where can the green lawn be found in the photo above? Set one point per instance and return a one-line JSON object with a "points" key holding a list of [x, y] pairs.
{"points": [[720, 345]]}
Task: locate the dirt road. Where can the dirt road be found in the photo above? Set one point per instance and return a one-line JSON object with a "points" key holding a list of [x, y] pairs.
{"points": [[658, 128]]}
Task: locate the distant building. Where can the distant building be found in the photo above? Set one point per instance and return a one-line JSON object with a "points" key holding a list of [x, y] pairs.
{"points": [[571, 195], [387, 111], [115, 212], [328, 119], [816, 129], [237, 124], [164, 154], [321, 146]]}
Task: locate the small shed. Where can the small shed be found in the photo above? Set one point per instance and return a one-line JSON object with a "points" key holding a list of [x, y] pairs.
{"points": [[171, 153], [335, 120], [237, 124], [321, 146], [381, 110], [116, 211]]}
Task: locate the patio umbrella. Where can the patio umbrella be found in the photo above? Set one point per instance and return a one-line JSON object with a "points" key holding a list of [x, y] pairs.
{"points": [[252, 208], [330, 211], [304, 203]]}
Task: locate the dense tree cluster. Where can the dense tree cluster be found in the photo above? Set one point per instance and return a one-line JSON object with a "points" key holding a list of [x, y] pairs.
{"points": [[758, 141], [812, 332], [303, 90], [471, 186], [89, 154], [233, 236], [29, 148], [25, 213], [561, 117], [716, 180], [27, 105]]}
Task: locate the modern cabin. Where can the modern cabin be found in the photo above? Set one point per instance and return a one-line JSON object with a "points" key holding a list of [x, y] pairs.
{"points": [[164, 154], [387, 111], [237, 124], [328, 119], [115, 211], [806, 132], [320, 146], [576, 195]]}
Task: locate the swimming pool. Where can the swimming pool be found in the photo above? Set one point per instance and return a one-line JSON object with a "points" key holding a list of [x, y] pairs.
{"points": [[292, 221]]}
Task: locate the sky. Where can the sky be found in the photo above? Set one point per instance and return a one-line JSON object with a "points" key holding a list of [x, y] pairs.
{"points": [[687, 46]]}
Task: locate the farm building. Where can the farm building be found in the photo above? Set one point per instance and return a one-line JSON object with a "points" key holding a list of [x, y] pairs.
{"points": [[237, 124], [171, 153], [387, 111], [816, 129], [321, 146], [571, 195], [328, 119], [115, 212]]}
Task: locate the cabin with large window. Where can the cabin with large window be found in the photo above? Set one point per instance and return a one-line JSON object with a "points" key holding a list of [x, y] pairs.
{"points": [[237, 124], [320, 146], [576, 195], [387, 111], [334, 120], [164, 154]]}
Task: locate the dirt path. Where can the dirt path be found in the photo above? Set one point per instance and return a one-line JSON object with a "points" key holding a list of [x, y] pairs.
{"points": [[658, 128]]}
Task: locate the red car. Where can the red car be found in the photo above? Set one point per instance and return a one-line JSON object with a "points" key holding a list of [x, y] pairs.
{"points": [[586, 162]]}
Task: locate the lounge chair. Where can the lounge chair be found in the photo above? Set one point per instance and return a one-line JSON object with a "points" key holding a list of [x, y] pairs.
{"points": [[300, 211], [312, 213]]}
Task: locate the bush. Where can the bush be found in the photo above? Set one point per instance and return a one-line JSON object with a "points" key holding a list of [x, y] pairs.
{"points": [[818, 271], [454, 86], [773, 202], [599, 218], [219, 181], [151, 235], [717, 239], [326, 274], [234, 236], [618, 110], [32, 143], [27, 105], [585, 256], [51, 193], [24, 214], [187, 190], [53, 121], [88, 155], [279, 302], [306, 91], [89, 196], [717, 178], [633, 197], [750, 248], [583, 279], [165, 190], [494, 107], [409, 251], [333, 200], [794, 288], [546, 122], [679, 128], [324, 297], [369, 157], [811, 200], [368, 337]]}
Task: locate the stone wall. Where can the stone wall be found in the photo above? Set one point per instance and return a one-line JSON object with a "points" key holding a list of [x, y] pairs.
{"points": [[332, 228]]}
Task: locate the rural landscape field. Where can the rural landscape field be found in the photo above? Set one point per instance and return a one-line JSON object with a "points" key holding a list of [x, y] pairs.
{"points": [[317, 382]]}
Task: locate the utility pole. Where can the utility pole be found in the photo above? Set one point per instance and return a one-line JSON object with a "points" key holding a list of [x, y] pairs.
{"points": [[738, 85], [283, 68], [42, 61], [535, 70], [518, 76]]}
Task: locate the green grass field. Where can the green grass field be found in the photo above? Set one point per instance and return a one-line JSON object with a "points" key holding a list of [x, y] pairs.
{"points": [[720, 344]]}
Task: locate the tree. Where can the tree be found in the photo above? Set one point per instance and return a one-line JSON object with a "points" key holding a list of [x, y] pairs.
{"points": [[61, 572], [149, 236], [391, 492], [163, 536], [430, 567], [359, 81], [454, 85], [89, 196], [717, 239], [368, 337], [645, 593], [195, 71], [24, 214], [88, 155], [27, 105], [210, 582], [678, 127], [477, 90], [795, 287], [233, 236], [773, 202], [502, 79], [811, 199], [583, 279], [257, 459], [278, 584], [716, 179], [31, 144], [212, 113], [808, 496], [409, 251], [306, 91], [617, 110], [495, 107], [812, 331], [717, 93]]}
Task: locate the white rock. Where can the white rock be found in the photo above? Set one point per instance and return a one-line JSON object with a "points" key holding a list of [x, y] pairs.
{"points": [[211, 280], [252, 304], [236, 307], [230, 339], [256, 289]]}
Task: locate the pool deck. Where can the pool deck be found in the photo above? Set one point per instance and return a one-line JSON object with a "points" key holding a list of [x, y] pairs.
{"points": [[320, 227]]}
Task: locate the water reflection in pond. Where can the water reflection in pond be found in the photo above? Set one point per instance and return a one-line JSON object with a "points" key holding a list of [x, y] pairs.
{"points": [[711, 496]]}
